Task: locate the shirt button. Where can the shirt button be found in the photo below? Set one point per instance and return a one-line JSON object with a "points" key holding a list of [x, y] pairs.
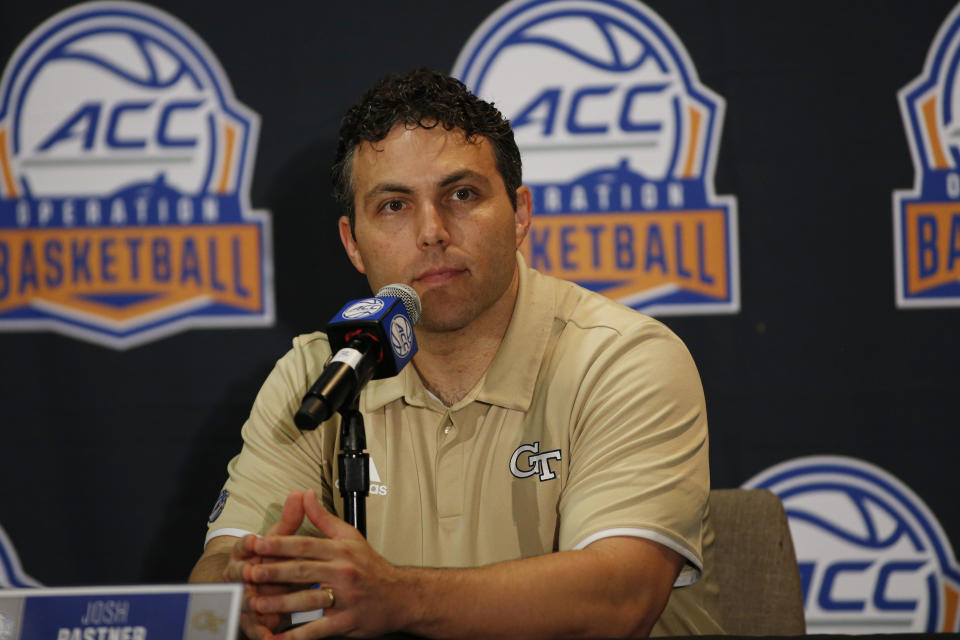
{"points": [[447, 429]]}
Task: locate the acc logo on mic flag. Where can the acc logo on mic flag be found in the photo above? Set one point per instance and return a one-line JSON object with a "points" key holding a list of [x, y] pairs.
{"points": [[401, 335], [926, 219], [125, 165], [619, 142], [363, 308]]}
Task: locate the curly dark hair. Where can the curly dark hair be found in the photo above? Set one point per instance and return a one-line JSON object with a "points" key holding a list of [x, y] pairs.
{"points": [[422, 98]]}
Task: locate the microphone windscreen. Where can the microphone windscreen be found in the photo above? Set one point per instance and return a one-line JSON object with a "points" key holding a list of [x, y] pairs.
{"points": [[407, 296]]}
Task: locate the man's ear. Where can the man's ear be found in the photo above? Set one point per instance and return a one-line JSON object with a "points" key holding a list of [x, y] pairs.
{"points": [[523, 213], [350, 244]]}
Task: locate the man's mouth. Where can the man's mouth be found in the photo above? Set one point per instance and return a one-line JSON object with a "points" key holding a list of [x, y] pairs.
{"points": [[439, 275]]}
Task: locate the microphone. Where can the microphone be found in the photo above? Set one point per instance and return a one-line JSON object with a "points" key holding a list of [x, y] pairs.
{"points": [[370, 338]]}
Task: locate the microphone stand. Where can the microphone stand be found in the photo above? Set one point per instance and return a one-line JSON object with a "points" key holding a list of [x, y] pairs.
{"points": [[354, 465]]}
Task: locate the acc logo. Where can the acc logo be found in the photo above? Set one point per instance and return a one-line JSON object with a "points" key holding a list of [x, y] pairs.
{"points": [[401, 335], [619, 142], [872, 557], [218, 505], [926, 219], [11, 573], [124, 176], [363, 308]]}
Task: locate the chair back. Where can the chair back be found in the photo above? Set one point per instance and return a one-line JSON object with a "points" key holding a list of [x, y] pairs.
{"points": [[755, 565]]}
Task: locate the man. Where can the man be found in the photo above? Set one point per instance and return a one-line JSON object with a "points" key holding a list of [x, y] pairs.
{"points": [[540, 470]]}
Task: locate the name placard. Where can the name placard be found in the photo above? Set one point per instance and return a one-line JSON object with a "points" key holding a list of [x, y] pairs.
{"points": [[176, 612]]}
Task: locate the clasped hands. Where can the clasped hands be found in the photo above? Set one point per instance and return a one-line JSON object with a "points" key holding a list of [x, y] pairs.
{"points": [[360, 591]]}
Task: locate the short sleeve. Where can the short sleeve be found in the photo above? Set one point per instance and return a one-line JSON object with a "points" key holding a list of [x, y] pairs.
{"points": [[276, 457], [639, 448]]}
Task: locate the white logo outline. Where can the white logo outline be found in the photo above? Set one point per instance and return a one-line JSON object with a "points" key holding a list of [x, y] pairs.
{"points": [[510, 25], [363, 308], [539, 462], [401, 335], [173, 319], [853, 526]]}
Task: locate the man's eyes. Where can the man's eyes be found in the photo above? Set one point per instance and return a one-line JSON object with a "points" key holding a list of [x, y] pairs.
{"points": [[392, 206], [463, 193], [460, 194]]}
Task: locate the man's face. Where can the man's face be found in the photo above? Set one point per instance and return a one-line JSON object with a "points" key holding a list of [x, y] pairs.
{"points": [[432, 212]]}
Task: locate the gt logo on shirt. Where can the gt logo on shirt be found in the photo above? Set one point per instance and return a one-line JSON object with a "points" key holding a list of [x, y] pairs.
{"points": [[536, 462]]}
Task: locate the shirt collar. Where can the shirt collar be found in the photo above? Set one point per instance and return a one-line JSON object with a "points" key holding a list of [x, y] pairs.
{"points": [[510, 379], [512, 376]]}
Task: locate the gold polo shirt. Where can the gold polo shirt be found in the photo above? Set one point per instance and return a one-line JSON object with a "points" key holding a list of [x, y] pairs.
{"points": [[589, 423]]}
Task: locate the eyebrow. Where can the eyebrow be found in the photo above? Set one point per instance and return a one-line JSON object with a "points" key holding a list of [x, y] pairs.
{"points": [[387, 187], [392, 187], [457, 176]]}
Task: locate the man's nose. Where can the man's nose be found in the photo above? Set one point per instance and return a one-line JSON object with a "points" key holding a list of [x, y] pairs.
{"points": [[432, 229]]}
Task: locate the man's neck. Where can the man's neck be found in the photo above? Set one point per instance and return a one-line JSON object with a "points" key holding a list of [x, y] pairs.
{"points": [[450, 363]]}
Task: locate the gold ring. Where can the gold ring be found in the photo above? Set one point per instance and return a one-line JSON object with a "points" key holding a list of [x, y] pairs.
{"points": [[333, 597]]}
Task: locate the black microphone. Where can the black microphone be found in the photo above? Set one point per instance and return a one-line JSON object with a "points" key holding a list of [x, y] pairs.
{"points": [[369, 338]]}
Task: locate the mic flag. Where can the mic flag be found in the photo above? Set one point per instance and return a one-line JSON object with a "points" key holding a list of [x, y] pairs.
{"points": [[369, 338]]}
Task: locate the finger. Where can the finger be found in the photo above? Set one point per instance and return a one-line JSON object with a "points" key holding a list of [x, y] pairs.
{"points": [[280, 548], [263, 622], [252, 629], [328, 524], [240, 557], [292, 572], [306, 600], [256, 628], [241, 554], [233, 572], [251, 591], [291, 518], [254, 622], [254, 590], [243, 548]]}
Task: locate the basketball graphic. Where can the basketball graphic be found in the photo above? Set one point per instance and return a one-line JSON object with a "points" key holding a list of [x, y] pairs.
{"points": [[926, 221], [159, 125], [124, 183], [872, 557], [619, 141]]}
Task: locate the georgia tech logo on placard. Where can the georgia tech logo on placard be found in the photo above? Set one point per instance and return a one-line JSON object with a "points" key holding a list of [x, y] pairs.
{"points": [[12, 574], [125, 165], [926, 219], [207, 620], [619, 141], [7, 627], [872, 557]]}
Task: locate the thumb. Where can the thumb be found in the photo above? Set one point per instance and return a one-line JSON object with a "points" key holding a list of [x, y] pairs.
{"points": [[328, 524], [291, 518]]}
